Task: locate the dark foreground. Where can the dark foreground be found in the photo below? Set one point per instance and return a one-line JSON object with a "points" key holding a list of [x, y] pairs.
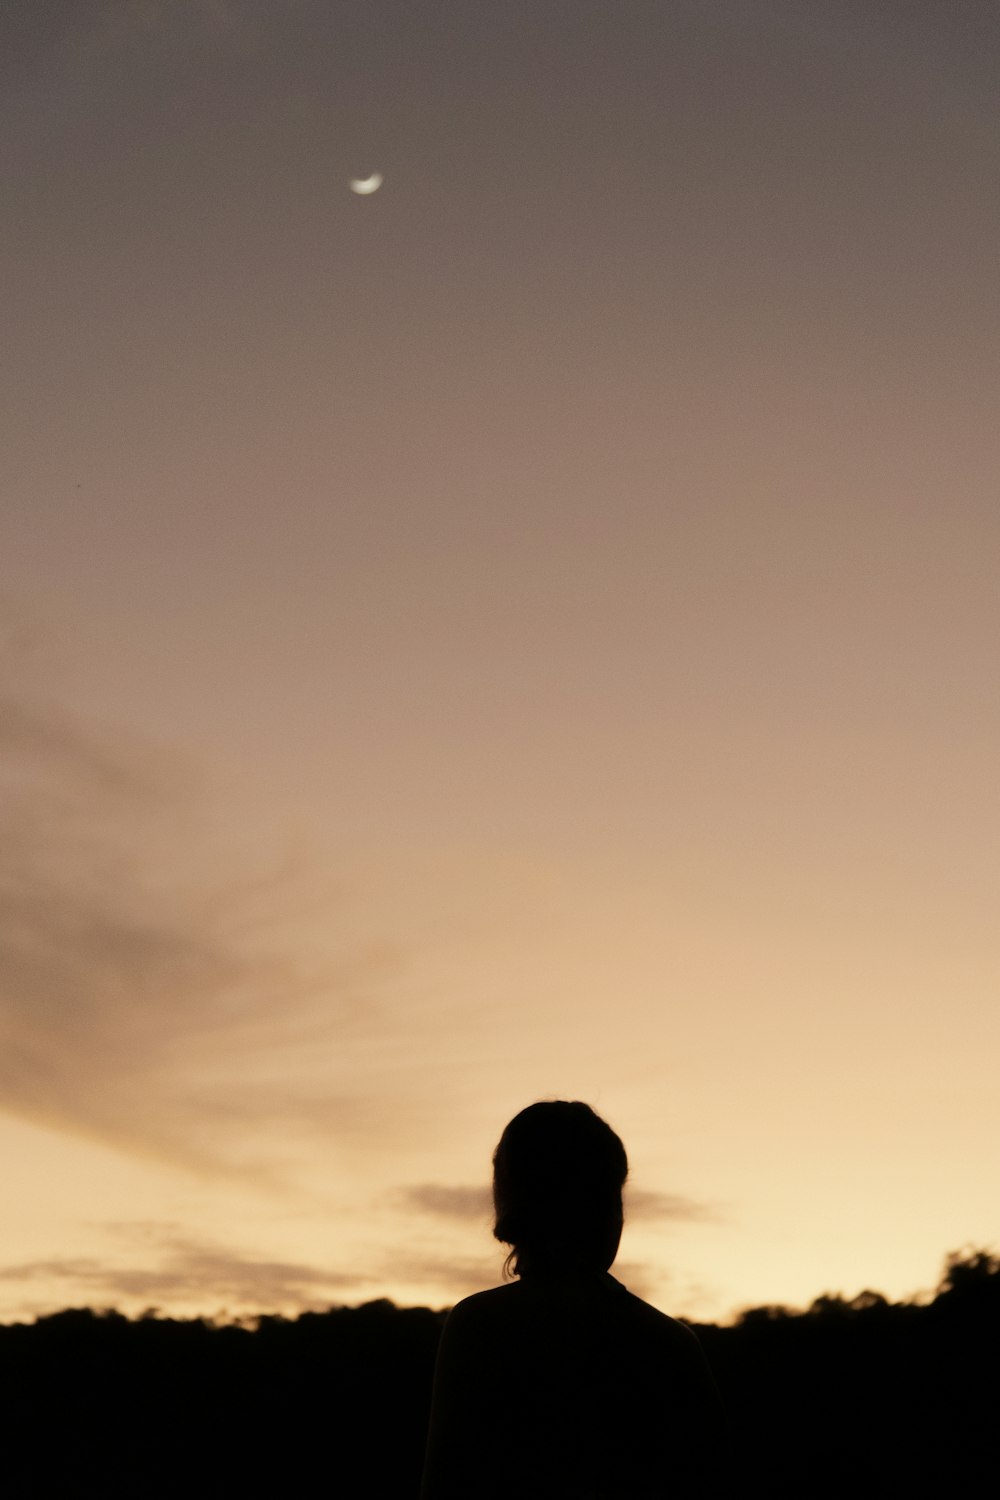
{"points": [[859, 1398]]}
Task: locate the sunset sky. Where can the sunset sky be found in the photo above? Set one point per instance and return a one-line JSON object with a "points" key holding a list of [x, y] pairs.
{"points": [[530, 632]]}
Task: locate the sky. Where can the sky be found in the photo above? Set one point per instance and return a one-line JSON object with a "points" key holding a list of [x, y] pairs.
{"points": [[529, 632]]}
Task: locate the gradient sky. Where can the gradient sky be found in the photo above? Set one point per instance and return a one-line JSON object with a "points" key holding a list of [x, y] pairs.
{"points": [[531, 632]]}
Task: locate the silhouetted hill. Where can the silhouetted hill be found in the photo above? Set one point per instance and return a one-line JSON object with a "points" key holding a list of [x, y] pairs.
{"points": [[849, 1398]]}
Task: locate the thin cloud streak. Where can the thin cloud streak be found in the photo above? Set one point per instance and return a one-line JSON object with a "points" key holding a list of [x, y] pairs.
{"points": [[142, 1004], [468, 1202], [642, 1203], [449, 1201], [194, 1270]]}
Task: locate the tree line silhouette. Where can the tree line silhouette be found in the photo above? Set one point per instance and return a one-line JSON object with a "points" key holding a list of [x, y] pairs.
{"points": [[858, 1397]]}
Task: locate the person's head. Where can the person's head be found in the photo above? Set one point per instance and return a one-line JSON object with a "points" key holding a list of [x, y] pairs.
{"points": [[558, 1174]]}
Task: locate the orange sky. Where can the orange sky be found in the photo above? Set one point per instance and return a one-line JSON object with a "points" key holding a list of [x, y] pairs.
{"points": [[530, 632]]}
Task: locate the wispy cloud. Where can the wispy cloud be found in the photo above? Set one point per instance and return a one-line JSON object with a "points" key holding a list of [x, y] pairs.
{"points": [[460, 1201], [447, 1200], [447, 1277], [643, 1203], [154, 994], [179, 1269]]}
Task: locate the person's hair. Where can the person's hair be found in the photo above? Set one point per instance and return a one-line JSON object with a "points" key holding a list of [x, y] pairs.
{"points": [[558, 1174]]}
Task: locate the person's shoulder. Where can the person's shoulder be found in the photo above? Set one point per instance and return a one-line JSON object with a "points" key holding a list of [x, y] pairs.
{"points": [[477, 1321], [657, 1325], [482, 1306]]}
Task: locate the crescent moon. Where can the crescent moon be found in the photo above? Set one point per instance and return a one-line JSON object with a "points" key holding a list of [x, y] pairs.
{"points": [[366, 185]]}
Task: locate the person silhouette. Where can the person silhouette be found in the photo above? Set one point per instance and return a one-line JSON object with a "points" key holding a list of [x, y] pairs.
{"points": [[562, 1383]]}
